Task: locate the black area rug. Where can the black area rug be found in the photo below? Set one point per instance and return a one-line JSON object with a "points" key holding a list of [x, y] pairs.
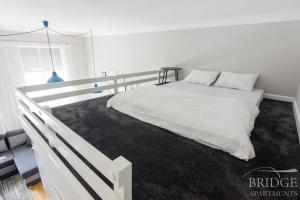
{"points": [[167, 166]]}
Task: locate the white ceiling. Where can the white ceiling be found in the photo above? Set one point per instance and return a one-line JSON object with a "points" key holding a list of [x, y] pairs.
{"points": [[131, 16]]}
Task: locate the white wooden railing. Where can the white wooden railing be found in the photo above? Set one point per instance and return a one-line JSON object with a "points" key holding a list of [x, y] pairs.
{"points": [[60, 151]]}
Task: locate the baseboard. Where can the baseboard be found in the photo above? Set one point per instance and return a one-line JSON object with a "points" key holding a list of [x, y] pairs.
{"points": [[279, 97], [297, 116]]}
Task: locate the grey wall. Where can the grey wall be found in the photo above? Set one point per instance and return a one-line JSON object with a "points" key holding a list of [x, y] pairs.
{"points": [[272, 50]]}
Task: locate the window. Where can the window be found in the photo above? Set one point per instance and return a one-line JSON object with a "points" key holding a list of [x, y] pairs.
{"points": [[37, 66]]}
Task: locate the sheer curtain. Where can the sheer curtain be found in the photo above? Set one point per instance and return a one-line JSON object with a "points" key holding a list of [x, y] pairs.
{"points": [[36, 62], [11, 75]]}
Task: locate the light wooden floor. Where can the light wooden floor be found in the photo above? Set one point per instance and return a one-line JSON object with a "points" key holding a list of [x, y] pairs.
{"points": [[37, 192]]}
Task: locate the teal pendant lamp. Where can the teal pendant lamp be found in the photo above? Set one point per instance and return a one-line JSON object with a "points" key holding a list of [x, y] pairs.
{"points": [[98, 89], [54, 77]]}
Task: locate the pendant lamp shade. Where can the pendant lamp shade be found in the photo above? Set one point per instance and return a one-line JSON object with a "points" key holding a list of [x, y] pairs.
{"points": [[54, 78], [98, 89]]}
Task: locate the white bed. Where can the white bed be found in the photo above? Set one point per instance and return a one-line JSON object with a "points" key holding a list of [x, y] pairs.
{"points": [[218, 117]]}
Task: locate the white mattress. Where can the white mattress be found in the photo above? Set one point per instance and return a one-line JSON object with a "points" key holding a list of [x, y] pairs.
{"points": [[255, 96], [219, 122]]}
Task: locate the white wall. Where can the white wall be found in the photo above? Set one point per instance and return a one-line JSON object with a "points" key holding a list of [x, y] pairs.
{"points": [[272, 50]]}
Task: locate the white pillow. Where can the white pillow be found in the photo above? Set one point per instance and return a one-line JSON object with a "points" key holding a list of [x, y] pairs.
{"points": [[202, 77], [237, 81]]}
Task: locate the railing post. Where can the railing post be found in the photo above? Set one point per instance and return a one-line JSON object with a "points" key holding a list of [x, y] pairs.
{"points": [[48, 108], [125, 86], [122, 172], [159, 77], [115, 84]]}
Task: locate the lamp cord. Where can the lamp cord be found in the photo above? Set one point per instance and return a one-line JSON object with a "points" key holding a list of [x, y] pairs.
{"points": [[81, 35], [93, 53], [48, 40], [22, 33], [50, 51], [40, 29], [67, 35]]}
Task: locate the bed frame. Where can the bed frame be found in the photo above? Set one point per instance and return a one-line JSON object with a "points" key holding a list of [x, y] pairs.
{"points": [[69, 166]]}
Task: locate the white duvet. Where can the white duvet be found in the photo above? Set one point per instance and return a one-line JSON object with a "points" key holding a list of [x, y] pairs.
{"points": [[219, 122]]}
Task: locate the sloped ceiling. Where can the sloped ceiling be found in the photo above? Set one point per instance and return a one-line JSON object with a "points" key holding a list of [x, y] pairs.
{"points": [[132, 16]]}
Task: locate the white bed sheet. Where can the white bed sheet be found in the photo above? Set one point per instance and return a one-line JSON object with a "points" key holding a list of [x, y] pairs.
{"points": [[220, 122], [255, 96]]}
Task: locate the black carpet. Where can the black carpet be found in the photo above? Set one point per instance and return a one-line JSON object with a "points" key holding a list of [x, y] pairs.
{"points": [[167, 166]]}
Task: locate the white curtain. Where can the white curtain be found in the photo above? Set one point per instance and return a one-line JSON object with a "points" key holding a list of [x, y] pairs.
{"points": [[11, 76], [67, 59]]}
